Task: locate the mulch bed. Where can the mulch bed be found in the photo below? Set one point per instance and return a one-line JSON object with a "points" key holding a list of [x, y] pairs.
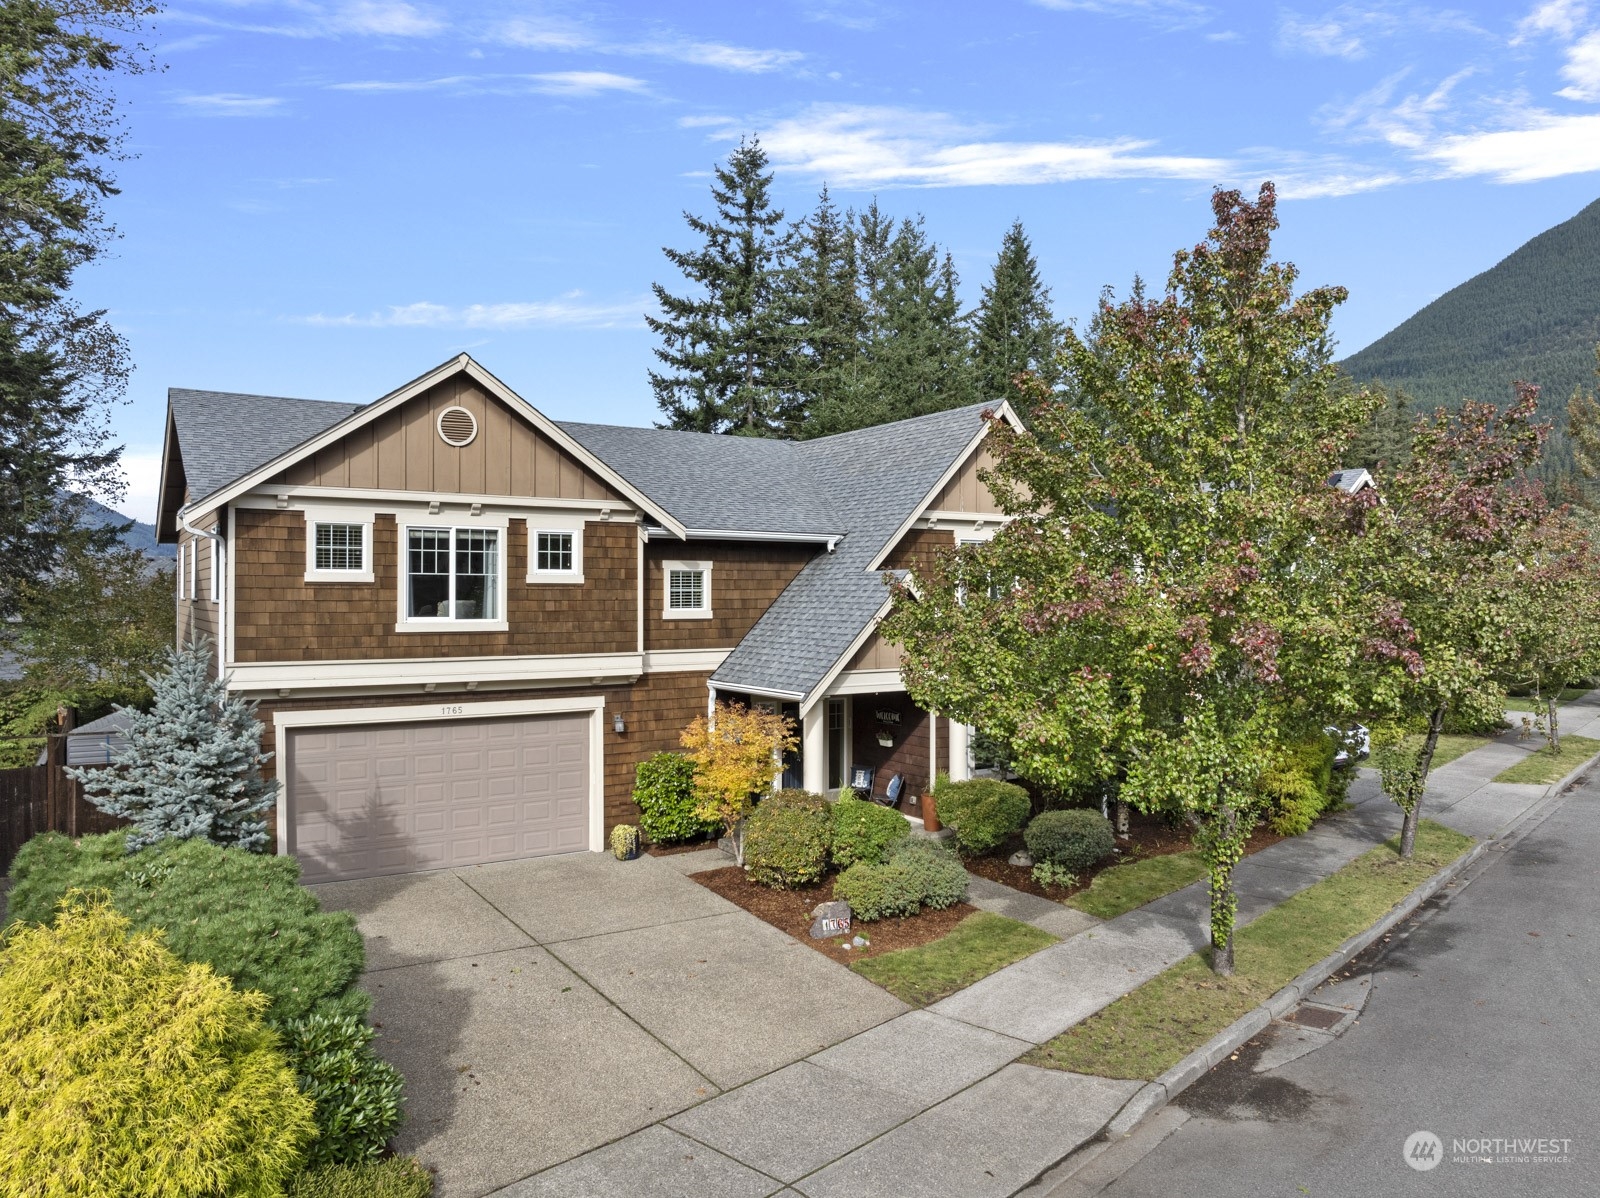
{"points": [[790, 911], [687, 846], [1148, 836]]}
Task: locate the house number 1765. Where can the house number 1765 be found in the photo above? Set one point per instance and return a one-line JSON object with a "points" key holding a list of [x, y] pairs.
{"points": [[454, 710]]}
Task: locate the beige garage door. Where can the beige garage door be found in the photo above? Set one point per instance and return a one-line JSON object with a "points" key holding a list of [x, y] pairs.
{"points": [[394, 798]]}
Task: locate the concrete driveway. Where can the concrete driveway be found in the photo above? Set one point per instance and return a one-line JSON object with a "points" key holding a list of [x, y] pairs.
{"points": [[539, 1009]]}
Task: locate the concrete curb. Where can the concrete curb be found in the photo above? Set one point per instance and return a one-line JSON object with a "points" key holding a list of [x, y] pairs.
{"points": [[1156, 1094]]}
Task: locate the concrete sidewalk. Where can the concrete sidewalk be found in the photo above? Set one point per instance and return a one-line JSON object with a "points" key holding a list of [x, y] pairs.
{"points": [[932, 1103]]}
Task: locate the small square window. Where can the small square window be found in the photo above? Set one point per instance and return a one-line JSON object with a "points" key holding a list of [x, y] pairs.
{"points": [[340, 547], [686, 590], [554, 553]]}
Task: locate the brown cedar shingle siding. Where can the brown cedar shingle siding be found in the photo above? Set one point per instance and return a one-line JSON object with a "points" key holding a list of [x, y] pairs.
{"points": [[281, 617], [918, 548], [745, 578], [655, 710], [402, 451], [909, 755]]}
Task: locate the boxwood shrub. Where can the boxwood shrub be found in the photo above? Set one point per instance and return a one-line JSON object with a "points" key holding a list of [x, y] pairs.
{"points": [[918, 874], [1073, 839], [244, 914], [982, 812], [864, 831], [664, 790], [786, 839]]}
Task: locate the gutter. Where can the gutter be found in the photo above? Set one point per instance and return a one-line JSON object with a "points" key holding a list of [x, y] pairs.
{"points": [[655, 531]]}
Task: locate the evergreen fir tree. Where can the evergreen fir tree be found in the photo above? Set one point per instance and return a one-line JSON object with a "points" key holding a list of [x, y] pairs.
{"points": [[830, 313], [193, 763], [1385, 440], [1014, 329], [725, 350]]}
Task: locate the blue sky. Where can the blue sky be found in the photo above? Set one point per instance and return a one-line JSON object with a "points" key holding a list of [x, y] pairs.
{"points": [[329, 198]]}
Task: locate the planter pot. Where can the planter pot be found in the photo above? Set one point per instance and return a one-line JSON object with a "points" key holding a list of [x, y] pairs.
{"points": [[631, 855], [930, 814]]}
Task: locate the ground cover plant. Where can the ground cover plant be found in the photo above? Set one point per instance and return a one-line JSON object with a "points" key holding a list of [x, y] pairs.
{"points": [[1542, 766], [138, 1074], [1149, 1030], [978, 946], [397, 1177]]}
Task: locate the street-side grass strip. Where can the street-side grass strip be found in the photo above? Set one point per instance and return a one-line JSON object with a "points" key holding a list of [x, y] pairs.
{"points": [[1124, 887], [1568, 694], [980, 944], [1149, 1030], [1450, 747], [1543, 767]]}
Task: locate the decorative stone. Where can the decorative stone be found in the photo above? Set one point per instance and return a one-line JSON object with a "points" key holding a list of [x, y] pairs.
{"points": [[1023, 858], [861, 942], [830, 919]]}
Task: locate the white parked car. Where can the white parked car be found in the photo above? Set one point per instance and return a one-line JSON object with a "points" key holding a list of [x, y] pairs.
{"points": [[1355, 744]]}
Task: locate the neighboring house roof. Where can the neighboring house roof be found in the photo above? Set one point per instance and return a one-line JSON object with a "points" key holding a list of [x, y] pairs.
{"points": [[98, 742], [223, 436], [1351, 481]]}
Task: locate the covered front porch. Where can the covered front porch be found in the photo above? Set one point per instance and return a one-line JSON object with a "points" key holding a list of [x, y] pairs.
{"points": [[863, 732]]}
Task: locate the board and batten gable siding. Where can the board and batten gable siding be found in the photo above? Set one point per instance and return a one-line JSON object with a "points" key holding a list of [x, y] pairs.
{"points": [[746, 577], [965, 491], [402, 451], [655, 710], [279, 616]]}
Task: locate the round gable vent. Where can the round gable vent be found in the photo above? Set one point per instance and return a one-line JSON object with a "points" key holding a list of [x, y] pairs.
{"points": [[457, 426]]}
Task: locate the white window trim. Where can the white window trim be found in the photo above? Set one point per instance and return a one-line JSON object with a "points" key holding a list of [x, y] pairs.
{"points": [[574, 575], [183, 549], [216, 573], [668, 612], [406, 623], [314, 518]]}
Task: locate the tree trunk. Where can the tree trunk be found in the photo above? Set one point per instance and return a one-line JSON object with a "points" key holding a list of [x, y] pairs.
{"points": [[1223, 907], [1555, 726], [1408, 830], [1222, 955], [1122, 819]]}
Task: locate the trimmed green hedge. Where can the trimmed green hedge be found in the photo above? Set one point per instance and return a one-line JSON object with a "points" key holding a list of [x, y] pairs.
{"points": [[243, 914], [983, 812], [664, 790], [864, 831], [1074, 839], [786, 839], [918, 874]]}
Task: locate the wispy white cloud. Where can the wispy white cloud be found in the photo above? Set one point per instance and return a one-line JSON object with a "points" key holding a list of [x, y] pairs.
{"points": [[551, 83], [863, 146], [1169, 14], [572, 310], [1352, 30], [1326, 36], [1547, 146], [1582, 69], [383, 18], [305, 19], [551, 34], [230, 104], [1562, 18]]}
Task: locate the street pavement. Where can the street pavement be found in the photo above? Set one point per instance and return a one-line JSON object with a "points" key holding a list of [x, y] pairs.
{"points": [[1479, 1025]]}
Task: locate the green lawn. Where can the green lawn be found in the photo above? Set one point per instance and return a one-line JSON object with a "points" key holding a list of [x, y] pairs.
{"points": [[1525, 702], [980, 944], [1543, 767], [1124, 887], [1451, 747], [1151, 1029]]}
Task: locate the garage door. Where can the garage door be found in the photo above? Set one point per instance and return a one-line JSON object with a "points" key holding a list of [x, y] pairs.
{"points": [[394, 798]]}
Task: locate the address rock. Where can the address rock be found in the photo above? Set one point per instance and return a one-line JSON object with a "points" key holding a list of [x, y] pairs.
{"points": [[1022, 857], [830, 919]]}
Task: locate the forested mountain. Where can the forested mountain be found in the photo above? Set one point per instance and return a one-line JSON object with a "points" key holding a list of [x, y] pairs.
{"points": [[137, 535], [1533, 316]]}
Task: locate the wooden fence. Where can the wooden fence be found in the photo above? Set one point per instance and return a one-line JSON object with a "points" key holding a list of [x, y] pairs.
{"points": [[42, 798]]}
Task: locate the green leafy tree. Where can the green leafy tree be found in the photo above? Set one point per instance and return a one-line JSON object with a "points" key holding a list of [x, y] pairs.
{"points": [[1444, 539], [1014, 330], [726, 348], [192, 767], [61, 366], [1163, 605]]}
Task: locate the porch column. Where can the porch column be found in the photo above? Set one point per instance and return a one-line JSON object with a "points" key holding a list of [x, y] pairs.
{"points": [[814, 748], [960, 752]]}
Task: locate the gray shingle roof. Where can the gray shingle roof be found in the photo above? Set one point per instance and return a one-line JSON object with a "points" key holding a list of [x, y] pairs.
{"points": [[224, 436]]}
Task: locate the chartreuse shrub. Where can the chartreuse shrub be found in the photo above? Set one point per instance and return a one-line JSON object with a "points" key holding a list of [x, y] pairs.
{"points": [[397, 1177], [357, 1093], [1073, 839], [918, 874], [241, 913], [786, 839], [664, 790], [864, 831], [1301, 784], [124, 1071], [982, 812]]}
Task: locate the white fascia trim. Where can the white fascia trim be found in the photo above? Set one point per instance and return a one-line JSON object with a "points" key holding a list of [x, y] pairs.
{"points": [[816, 693], [460, 364], [684, 661], [517, 506], [1004, 411], [966, 525], [829, 539], [412, 673], [754, 691], [594, 705], [865, 682]]}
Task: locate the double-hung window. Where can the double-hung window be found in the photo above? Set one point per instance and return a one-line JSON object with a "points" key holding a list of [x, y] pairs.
{"points": [[452, 574], [688, 591]]}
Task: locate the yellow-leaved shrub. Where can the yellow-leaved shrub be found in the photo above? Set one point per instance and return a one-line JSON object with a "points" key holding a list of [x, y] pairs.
{"points": [[124, 1071]]}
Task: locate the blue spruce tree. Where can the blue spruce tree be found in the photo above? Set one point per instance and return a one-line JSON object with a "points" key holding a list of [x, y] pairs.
{"points": [[193, 763]]}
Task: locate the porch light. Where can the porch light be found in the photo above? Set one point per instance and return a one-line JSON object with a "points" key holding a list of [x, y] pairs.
{"points": [[617, 725]]}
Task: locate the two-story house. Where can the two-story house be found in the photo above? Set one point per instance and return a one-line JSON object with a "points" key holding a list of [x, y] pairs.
{"points": [[467, 623]]}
